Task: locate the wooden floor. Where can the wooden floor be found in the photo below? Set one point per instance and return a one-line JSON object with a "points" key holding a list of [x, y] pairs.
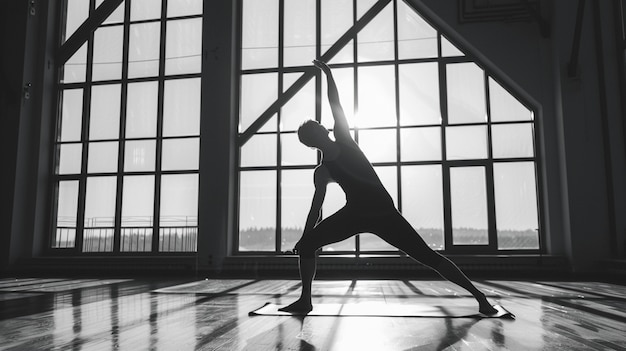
{"points": [[140, 314]]}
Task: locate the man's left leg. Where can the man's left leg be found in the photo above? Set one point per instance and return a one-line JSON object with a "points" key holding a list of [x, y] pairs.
{"points": [[339, 226]]}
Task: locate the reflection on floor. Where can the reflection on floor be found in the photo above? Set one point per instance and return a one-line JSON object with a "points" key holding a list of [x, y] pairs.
{"points": [[129, 314]]}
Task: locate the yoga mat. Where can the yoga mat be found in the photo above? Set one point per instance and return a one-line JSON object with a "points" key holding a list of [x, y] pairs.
{"points": [[380, 309]]}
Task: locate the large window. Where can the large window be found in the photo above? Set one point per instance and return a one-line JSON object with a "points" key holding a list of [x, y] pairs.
{"points": [[453, 146], [128, 130]]}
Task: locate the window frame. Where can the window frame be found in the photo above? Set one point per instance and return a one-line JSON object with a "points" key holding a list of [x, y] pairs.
{"points": [[120, 173], [446, 165]]}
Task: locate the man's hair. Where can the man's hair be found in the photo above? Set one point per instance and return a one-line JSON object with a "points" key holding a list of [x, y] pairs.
{"points": [[306, 132]]}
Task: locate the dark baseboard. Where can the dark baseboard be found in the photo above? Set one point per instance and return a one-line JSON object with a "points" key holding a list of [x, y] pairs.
{"points": [[329, 267], [378, 267]]}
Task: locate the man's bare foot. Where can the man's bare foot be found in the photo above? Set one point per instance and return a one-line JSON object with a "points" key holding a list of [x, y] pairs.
{"points": [[485, 307], [487, 310], [300, 306]]}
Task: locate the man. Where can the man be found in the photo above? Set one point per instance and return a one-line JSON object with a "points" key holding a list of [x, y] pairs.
{"points": [[369, 207]]}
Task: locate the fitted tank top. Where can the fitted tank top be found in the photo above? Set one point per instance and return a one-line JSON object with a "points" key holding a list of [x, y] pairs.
{"points": [[356, 176]]}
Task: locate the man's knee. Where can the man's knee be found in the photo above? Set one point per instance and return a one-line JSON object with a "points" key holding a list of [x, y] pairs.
{"points": [[305, 249]]}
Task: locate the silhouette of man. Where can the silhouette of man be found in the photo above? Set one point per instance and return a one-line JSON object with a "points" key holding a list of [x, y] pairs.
{"points": [[369, 207]]}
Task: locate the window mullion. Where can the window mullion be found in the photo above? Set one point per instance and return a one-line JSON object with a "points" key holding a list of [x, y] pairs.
{"points": [[159, 135], [122, 131], [355, 59], [82, 187], [491, 206], [445, 165], [281, 63], [397, 106]]}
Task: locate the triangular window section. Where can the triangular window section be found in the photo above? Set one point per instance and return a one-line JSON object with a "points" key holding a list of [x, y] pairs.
{"points": [[453, 146]]}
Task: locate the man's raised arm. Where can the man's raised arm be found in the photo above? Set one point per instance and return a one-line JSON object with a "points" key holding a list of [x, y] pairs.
{"points": [[341, 128]]}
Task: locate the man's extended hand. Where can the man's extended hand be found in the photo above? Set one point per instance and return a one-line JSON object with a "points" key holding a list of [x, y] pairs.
{"points": [[322, 65]]}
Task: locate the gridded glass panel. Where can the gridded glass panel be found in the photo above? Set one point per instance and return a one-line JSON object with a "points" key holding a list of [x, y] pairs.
{"points": [[143, 50], [379, 145], [422, 202], [344, 79], [259, 34], [141, 110], [416, 38], [466, 93], [139, 156], [376, 40], [181, 107], [294, 153], [344, 55], [336, 19], [184, 8], [178, 215], [258, 92], [257, 211], [260, 150], [71, 115], [75, 68], [102, 157], [344, 245], [469, 206], [181, 154], [448, 49], [362, 6], [145, 9], [107, 53], [334, 201], [290, 78], [271, 125], [296, 194], [70, 156], [378, 117], [105, 112], [299, 108], [183, 46], [464, 143], [512, 140], [420, 144], [377, 98], [181, 117], [137, 213], [516, 205], [99, 214], [77, 13], [117, 16], [299, 32], [67, 208], [504, 106], [419, 94]]}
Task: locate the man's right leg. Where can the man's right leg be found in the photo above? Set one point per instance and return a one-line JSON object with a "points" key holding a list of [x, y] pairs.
{"points": [[335, 228], [401, 234]]}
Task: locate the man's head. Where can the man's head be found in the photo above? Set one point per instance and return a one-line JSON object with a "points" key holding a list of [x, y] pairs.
{"points": [[312, 134]]}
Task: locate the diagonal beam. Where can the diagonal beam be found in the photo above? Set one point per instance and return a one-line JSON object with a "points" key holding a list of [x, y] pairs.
{"points": [[81, 34], [309, 74]]}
